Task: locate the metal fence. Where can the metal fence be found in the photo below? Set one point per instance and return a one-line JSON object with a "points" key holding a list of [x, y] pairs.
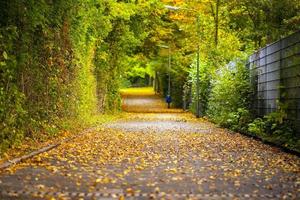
{"points": [[275, 75]]}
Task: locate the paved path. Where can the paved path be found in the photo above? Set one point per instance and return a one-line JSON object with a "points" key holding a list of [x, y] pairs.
{"points": [[164, 154]]}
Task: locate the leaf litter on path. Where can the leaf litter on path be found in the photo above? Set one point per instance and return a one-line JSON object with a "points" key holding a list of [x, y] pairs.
{"points": [[140, 154]]}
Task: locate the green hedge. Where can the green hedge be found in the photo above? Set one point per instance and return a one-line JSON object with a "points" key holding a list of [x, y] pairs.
{"points": [[61, 62]]}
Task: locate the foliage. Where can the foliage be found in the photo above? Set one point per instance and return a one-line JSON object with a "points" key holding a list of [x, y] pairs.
{"points": [[239, 120], [230, 95], [61, 61], [66, 60], [275, 128], [257, 127], [204, 85], [12, 113], [226, 28], [261, 22]]}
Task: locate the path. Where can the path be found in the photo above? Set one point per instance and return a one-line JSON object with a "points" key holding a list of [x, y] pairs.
{"points": [[164, 154]]}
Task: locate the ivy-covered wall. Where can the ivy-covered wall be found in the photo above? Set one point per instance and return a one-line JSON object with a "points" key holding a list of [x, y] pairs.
{"points": [[61, 62]]}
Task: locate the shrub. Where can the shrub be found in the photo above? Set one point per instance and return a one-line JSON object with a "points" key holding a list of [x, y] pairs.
{"points": [[230, 96], [239, 120], [275, 128], [257, 127]]}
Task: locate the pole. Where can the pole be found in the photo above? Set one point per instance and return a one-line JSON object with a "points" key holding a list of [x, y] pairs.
{"points": [[198, 66], [198, 59], [169, 72]]}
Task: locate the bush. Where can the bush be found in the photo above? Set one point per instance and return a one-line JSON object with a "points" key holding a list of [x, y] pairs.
{"points": [[230, 96], [239, 120], [257, 127], [275, 128]]}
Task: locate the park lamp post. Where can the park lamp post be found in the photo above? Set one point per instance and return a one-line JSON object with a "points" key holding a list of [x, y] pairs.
{"points": [[174, 8], [169, 67]]}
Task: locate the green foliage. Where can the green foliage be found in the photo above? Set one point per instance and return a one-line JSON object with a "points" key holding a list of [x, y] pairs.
{"points": [[238, 121], [12, 113], [205, 71], [140, 71], [275, 128], [230, 95], [66, 60], [62, 61], [257, 127], [270, 130], [235, 31], [260, 22]]}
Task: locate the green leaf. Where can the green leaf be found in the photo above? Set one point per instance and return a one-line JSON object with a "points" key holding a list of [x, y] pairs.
{"points": [[2, 63], [5, 55]]}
